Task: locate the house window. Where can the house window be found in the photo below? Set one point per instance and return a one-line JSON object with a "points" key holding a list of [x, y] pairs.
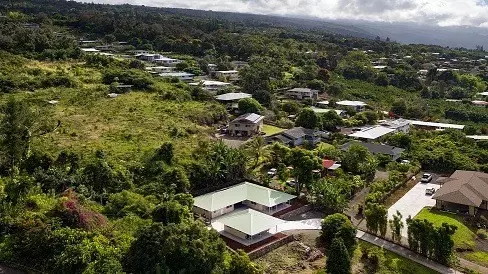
{"points": [[228, 206], [237, 125], [253, 203]]}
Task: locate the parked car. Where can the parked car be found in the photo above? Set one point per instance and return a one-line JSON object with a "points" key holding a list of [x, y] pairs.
{"points": [[291, 182], [430, 191], [272, 172], [427, 177]]}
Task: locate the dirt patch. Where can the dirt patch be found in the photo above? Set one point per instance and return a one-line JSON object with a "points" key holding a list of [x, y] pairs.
{"points": [[301, 256]]}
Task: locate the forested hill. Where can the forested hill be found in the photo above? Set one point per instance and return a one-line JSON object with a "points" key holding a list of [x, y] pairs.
{"points": [[73, 9]]}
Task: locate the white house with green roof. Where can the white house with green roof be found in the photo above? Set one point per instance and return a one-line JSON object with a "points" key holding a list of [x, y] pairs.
{"points": [[246, 194], [247, 226]]}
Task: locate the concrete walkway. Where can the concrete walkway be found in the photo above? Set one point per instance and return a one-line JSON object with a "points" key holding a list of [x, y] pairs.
{"points": [[405, 253], [412, 202]]}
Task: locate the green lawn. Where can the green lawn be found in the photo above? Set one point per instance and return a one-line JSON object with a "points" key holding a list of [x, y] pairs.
{"points": [[477, 256], [463, 237], [395, 263], [271, 130]]}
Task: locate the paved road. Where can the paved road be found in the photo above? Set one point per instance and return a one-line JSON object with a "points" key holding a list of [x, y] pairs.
{"points": [[405, 253], [412, 202]]}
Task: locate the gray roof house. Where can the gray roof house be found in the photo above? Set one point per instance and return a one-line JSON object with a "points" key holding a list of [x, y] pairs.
{"points": [[463, 191], [298, 136], [246, 125], [393, 152]]}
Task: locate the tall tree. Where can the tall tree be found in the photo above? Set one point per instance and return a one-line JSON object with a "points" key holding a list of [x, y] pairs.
{"points": [[338, 259], [15, 133], [376, 218], [176, 248], [396, 226], [338, 226], [307, 118], [304, 162]]}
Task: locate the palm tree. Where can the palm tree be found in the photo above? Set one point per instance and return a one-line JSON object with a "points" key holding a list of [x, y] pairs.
{"points": [[256, 149]]}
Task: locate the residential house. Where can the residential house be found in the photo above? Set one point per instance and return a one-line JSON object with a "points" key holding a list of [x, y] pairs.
{"points": [[339, 112], [150, 57], [231, 75], [372, 133], [183, 76], [330, 166], [90, 50], [298, 136], [247, 124], [356, 105], [160, 69], [260, 198], [243, 212], [463, 191], [232, 97], [139, 52], [166, 61], [393, 152], [434, 126], [303, 93], [398, 125], [211, 85]]}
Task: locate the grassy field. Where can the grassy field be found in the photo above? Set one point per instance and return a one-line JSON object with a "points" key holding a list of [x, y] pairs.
{"points": [[126, 127], [291, 259], [463, 237], [271, 130]]}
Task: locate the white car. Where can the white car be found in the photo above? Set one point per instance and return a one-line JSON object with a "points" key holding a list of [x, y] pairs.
{"points": [[272, 172], [427, 177], [430, 191]]}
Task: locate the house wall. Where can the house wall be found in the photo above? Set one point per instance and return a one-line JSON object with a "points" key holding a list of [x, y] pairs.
{"points": [[203, 212], [235, 232], [250, 129], [222, 211], [255, 206]]}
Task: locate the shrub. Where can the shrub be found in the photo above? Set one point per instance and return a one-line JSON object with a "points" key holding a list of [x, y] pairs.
{"points": [[482, 234]]}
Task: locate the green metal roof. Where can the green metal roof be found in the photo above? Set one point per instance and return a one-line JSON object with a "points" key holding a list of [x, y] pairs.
{"points": [[250, 221], [241, 192]]}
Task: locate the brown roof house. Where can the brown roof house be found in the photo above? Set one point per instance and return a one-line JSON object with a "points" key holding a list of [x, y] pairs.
{"points": [[464, 191]]}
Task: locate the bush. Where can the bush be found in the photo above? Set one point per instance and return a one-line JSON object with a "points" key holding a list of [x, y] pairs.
{"points": [[482, 234]]}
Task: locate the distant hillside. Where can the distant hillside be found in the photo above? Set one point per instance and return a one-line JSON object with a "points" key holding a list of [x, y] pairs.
{"points": [[411, 33]]}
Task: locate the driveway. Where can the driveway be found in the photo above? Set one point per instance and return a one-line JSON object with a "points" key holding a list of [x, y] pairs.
{"points": [[412, 202]]}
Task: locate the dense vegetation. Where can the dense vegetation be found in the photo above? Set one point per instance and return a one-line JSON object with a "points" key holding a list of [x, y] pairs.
{"points": [[91, 184]]}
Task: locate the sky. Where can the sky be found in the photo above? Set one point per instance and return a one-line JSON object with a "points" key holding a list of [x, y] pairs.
{"points": [[432, 12]]}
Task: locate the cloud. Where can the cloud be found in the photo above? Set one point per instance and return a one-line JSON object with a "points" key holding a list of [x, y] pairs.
{"points": [[435, 12]]}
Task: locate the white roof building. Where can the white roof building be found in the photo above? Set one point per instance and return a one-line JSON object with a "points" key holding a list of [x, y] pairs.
{"points": [[477, 137], [483, 93], [89, 50], [184, 76], [210, 85], [435, 125], [249, 221], [352, 103], [372, 133], [325, 110], [239, 193], [232, 96]]}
